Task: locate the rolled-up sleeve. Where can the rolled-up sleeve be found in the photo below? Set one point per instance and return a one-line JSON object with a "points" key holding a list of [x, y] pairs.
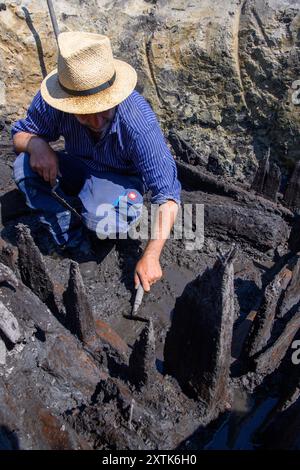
{"points": [[156, 165], [41, 119]]}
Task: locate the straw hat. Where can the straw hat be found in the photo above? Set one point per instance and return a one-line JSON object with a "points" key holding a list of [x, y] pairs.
{"points": [[87, 79]]}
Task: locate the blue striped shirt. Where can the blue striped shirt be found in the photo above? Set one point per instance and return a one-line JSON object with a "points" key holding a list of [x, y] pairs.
{"points": [[134, 143]]}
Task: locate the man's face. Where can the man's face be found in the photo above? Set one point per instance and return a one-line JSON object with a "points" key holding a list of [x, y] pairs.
{"points": [[97, 122]]}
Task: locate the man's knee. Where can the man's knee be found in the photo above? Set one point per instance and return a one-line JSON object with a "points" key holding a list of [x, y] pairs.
{"points": [[111, 204], [28, 181], [110, 222], [22, 168]]}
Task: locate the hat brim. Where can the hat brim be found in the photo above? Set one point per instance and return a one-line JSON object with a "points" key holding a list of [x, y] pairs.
{"points": [[123, 85]]}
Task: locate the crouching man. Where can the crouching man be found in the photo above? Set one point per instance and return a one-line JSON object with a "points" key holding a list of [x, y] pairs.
{"points": [[114, 151]]}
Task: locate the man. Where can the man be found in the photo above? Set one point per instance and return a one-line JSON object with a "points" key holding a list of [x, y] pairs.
{"points": [[114, 149]]}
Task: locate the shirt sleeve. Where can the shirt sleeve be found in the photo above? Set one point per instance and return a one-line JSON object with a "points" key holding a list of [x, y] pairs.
{"points": [[41, 119], [156, 165]]}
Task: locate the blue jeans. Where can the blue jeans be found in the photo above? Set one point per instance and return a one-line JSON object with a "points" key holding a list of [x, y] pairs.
{"points": [[94, 190]]}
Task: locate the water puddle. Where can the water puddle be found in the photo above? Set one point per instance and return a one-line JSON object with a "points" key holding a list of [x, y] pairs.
{"points": [[239, 429]]}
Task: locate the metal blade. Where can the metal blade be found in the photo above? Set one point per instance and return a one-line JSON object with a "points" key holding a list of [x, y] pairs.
{"points": [[138, 299], [63, 201]]}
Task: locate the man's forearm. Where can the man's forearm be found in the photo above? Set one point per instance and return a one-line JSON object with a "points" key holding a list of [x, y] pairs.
{"points": [[148, 269], [163, 223]]}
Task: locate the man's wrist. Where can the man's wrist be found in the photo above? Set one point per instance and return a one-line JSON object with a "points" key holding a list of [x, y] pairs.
{"points": [[152, 251], [150, 254], [35, 143]]}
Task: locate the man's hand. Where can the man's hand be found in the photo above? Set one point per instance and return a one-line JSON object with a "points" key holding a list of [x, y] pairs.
{"points": [[43, 159], [147, 271]]}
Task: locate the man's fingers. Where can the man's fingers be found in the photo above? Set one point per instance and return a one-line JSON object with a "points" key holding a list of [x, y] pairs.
{"points": [[141, 278], [147, 272], [49, 175], [46, 166], [46, 174], [37, 170], [53, 174], [40, 172], [145, 283]]}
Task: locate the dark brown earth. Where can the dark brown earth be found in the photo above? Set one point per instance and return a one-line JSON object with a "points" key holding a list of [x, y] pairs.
{"points": [[210, 355], [209, 362]]}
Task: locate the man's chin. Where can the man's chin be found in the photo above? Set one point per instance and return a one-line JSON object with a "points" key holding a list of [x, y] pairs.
{"points": [[99, 130]]}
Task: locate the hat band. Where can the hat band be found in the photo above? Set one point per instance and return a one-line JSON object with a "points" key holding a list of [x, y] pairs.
{"points": [[90, 91]]}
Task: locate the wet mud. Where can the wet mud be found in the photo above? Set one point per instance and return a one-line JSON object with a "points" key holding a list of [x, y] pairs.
{"points": [[206, 365]]}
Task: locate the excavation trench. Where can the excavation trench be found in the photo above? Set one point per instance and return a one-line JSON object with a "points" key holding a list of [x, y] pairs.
{"points": [[212, 366], [208, 367]]}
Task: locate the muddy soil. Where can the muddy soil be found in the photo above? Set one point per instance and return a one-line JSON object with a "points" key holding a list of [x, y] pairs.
{"points": [[184, 374]]}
